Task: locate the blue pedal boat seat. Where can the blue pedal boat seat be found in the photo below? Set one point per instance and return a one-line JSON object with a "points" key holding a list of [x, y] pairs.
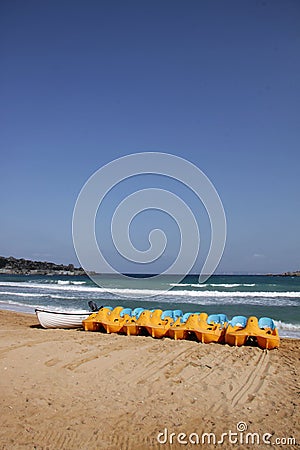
{"points": [[126, 311], [238, 321], [167, 313], [177, 313], [136, 312], [266, 322]]}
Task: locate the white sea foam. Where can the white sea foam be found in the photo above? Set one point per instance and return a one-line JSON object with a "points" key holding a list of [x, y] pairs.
{"points": [[53, 286], [33, 294], [290, 330], [28, 307], [23, 294], [202, 294], [153, 292], [231, 285], [25, 306], [219, 300], [287, 326], [225, 285], [50, 281]]}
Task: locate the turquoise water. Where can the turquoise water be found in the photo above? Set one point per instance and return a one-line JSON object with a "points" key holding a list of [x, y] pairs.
{"points": [[276, 297]]}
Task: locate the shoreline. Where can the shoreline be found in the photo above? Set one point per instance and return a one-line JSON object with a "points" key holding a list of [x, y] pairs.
{"points": [[75, 389], [33, 315], [23, 310]]}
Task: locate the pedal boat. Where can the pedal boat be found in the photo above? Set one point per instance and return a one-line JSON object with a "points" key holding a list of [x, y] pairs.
{"points": [[268, 337], [94, 321], [161, 322], [157, 322], [89, 324], [113, 321], [240, 329], [207, 329], [178, 328], [131, 327], [156, 326]]}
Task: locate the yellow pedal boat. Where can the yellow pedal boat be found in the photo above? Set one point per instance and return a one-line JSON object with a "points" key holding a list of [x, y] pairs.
{"points": [[160, 322], [94, 321], [207, 329], [89, 324], [156, 326], [240, 329], [113, 322], [131, 327], [178, 329]]}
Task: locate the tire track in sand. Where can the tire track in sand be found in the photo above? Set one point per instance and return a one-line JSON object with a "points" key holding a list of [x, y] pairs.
{"points": [[254, 377], [254, 381], [155, 367]]}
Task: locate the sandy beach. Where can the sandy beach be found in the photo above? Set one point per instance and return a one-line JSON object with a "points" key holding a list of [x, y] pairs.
{"points": [[70, 389]]}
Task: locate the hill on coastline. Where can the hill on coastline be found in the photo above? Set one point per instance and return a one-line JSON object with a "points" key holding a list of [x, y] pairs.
{"points": [[14, 266]]}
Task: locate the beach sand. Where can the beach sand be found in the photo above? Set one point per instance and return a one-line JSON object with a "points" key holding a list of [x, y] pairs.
{"points": [[70, 389]]}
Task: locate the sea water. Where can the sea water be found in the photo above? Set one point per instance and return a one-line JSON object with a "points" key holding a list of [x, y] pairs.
{"points": [[277, 297]]}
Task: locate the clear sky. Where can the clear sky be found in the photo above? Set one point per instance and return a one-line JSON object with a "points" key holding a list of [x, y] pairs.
{"points": [[215, 82]]}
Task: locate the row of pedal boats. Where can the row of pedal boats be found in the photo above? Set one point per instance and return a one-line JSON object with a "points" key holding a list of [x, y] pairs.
{"points": [[238, 331]]}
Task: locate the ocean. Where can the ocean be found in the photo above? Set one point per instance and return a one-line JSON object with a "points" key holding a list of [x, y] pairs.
{"points": [[269, 296]]}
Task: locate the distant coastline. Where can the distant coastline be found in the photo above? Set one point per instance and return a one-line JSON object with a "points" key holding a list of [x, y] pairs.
{"points": [[291, 274], [14, 266]]}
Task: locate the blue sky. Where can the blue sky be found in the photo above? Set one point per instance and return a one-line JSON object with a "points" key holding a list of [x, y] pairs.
{"points": [[215, 82]]}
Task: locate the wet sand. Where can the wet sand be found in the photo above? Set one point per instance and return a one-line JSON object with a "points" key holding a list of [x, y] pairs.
{"points": [[70, 389]]}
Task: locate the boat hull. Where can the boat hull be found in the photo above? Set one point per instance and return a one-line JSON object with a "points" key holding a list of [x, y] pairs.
{"points": [[58, 319]]}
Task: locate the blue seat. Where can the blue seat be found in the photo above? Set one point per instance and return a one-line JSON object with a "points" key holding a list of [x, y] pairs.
{"points": [[109, 307], [136, 312], [177, 313], [167, 313], [125, 311], [213, 318], [266, 322], [217, 318], [238, 321], [223, 318], [185, 317]]}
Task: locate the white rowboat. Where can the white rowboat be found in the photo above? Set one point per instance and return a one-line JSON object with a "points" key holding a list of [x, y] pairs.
{"points": [[59, 319]]}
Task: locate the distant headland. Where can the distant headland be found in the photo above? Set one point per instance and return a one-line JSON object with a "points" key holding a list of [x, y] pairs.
{"points": [[291, 274], [14, 266]]}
